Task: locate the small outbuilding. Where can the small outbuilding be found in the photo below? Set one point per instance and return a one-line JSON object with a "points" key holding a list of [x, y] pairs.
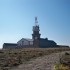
{"points": [[9, 45]]}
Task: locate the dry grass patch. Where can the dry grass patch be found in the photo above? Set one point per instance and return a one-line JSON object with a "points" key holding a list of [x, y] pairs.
{"points": [[14, 57]]}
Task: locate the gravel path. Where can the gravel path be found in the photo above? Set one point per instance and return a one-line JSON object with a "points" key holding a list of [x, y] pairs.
{"points": [[41, 63]]}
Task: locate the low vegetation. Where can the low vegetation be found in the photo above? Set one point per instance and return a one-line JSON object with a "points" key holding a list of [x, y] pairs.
{"points": [[64, 62], [13, 57], [61, 67]]}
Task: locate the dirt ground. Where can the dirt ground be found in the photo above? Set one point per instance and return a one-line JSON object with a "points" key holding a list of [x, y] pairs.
{"points": [[41, 63]]}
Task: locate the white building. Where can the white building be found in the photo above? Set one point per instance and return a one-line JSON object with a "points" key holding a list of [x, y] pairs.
{"points": [[25, 42]]}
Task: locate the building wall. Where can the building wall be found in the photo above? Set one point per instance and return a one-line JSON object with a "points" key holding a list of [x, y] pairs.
{"points": [[43, 43], [31, 42], [8, 45], [24, 42]]}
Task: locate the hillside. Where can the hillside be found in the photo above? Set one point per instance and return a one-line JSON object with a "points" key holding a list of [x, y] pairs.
{"points": [[10, 58], [46, 62]]}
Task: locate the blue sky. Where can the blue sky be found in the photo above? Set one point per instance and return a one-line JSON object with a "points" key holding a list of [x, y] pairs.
{"points": [[17, 19]]}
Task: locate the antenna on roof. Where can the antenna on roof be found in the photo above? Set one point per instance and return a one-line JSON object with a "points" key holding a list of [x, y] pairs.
{"points": [[36, 22]]}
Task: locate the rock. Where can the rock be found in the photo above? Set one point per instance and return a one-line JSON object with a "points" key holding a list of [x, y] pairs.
{"points": [[65, 59]]}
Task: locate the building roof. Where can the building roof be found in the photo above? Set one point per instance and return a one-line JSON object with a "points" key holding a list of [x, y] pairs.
{"points": [[27, 39], [10, 44], [45, 40]]}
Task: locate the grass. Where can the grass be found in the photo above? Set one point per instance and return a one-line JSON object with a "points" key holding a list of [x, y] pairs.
{"points": [[14, 57], [61, 67]]}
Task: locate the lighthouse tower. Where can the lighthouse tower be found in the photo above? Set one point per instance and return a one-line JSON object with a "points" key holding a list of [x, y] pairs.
{"points": [[36, 34]]}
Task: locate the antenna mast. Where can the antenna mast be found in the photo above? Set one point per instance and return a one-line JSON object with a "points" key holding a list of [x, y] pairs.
{"points": [[36, 22]]}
